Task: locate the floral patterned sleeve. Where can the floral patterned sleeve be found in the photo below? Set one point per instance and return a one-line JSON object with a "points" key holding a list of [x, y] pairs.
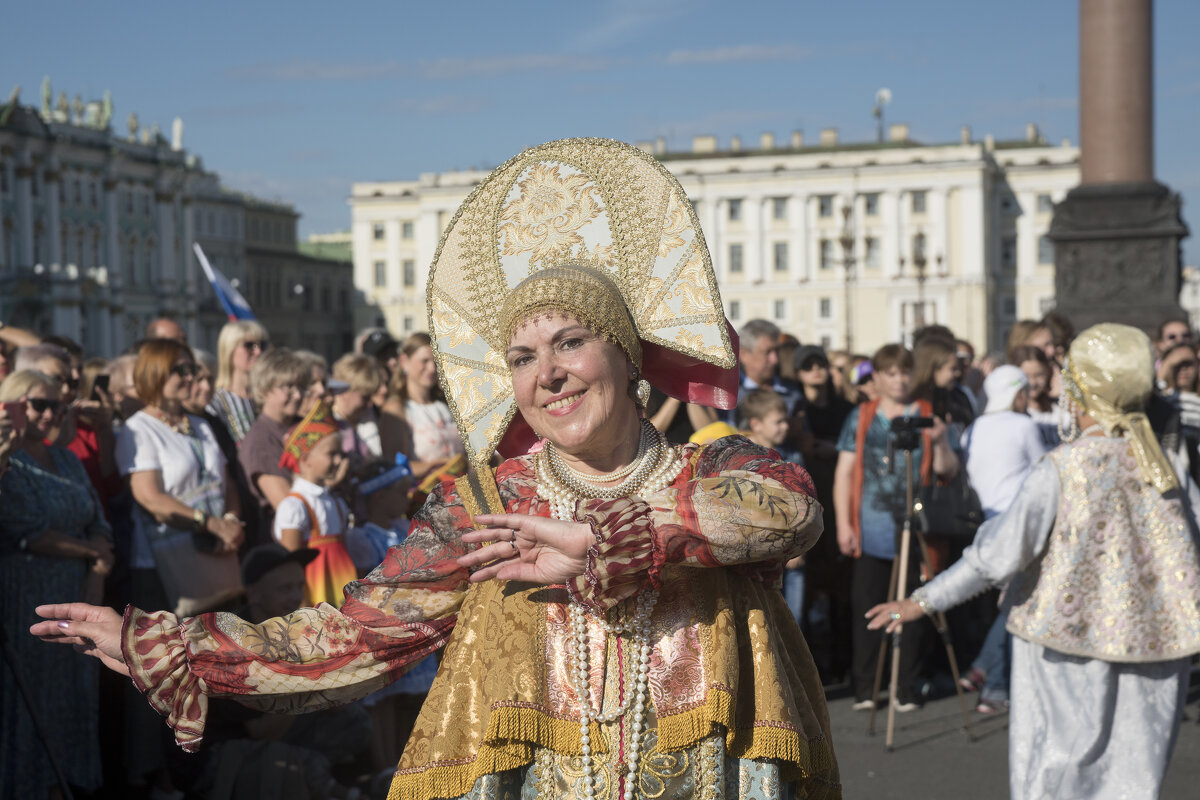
{"points": [[735, 505], [315, 657]]}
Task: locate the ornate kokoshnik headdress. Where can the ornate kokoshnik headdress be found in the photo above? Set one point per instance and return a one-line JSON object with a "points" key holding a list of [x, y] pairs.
{"points": [[594, 214]]}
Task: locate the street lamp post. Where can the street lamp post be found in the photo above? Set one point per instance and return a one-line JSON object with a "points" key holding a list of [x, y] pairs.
{"points": [[847, 242], [919, 264]]}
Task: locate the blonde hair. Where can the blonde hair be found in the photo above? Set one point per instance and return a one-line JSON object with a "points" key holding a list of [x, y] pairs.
{"points": [[277, 367], [363, 373], [18, 384], [398, 387], [231, 337]]}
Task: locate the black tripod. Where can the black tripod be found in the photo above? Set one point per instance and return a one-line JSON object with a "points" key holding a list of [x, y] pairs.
{"points": [[906, 436], [10, 657]]}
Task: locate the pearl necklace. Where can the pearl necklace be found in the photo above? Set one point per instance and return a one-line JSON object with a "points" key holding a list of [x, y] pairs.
{"points": [[644, 444], [656, 467], [640, 657]]}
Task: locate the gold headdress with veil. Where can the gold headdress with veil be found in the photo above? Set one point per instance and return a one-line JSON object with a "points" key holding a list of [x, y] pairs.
{"points": [[618, 242], [1109, 371]]}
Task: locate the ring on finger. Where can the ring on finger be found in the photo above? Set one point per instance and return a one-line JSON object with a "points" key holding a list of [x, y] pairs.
{"points": [[895, 615], [513, 543]]}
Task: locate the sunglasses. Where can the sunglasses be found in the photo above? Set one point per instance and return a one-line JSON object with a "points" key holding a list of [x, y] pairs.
{"points": [[1185, 365], [259, 345], [185, 370], [814, 364], [41, 405]]}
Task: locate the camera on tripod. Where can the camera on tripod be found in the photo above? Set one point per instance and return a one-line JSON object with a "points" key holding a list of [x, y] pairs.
{"points": [[906, 432]]}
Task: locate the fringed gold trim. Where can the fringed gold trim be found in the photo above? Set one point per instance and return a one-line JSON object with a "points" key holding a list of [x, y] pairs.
{"points": [[514, 733]]}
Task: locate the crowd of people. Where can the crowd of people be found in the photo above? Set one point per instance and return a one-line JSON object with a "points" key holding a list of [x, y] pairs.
{"points": [[215, 496]]}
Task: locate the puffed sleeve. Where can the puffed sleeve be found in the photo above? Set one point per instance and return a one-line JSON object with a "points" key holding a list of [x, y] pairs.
{"points": [[1004, 544], [735, 505], [315, 657]]}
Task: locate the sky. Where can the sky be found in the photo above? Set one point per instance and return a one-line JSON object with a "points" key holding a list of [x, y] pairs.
{"points": [[296, 101]]}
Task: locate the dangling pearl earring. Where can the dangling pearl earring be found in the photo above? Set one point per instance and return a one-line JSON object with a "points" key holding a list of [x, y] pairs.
{"points": [[1067, 414], [640, 389]]}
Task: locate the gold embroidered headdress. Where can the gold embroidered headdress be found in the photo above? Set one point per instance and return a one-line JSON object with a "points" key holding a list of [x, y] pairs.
{"points": [[1109, 372], [585, 226]]}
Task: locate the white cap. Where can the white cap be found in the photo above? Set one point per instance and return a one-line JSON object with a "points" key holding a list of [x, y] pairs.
{"points": [[1001, 386]]}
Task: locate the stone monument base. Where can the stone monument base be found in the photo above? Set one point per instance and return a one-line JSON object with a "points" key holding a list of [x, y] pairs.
{"points": [[1116, 254]]}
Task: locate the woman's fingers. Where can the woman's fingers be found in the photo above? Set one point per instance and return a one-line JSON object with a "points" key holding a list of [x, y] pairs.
{"points": [[492, 552]]}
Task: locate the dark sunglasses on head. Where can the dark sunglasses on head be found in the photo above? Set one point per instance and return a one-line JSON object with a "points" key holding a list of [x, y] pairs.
{"points": [[186, 370], [41, 405], [813, 363], [255, 344]]}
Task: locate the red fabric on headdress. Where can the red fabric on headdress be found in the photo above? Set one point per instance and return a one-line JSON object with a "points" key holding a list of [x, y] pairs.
{"points": [[319, 423], [680, 376]]}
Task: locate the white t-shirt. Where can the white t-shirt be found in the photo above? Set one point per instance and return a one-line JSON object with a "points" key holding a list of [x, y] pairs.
{"points": [[331, 512], [192, 467], [1000, 450], [435, 436]]}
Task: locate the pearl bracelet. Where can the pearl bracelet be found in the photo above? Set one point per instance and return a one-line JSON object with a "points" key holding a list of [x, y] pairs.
{"points": [[918, 597]]}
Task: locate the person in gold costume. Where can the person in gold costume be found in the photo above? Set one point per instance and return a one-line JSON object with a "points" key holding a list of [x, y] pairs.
{"points": [[1104, 599], [608, 602]]}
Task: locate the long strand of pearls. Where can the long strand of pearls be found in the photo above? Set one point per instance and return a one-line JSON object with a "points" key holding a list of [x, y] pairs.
{"points": [[655, 467]]}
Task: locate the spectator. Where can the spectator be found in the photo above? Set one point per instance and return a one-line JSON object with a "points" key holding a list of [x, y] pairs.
{"points": [[1177, 375], [197, 405], [363, 377], [164, 328], [1042, 409], [278, 381], [870, 502], [416, 399], [381, 346], [94, 443], [10, 340], [54, 542], [936, 372], [999, 450], [121, 388], [758, 363], [839, 372], [181, 487], [316, 389], [1171, 332], [828, 582], [788, 345], [310, 515], [238, 347], [862, 381], [1053, 335], [1018, 336]]}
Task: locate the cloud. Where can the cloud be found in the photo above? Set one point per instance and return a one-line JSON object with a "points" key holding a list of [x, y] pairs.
{"points": [[443, 105], [741, 53], [267, 108], [318, 71], [620, 21], [492, 66]]}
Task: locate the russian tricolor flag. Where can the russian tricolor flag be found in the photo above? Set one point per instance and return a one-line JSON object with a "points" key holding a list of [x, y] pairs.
{"points": [[235, 305]]}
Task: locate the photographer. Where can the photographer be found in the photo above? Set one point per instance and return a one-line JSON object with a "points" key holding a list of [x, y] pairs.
{"points": [[869, 496]]}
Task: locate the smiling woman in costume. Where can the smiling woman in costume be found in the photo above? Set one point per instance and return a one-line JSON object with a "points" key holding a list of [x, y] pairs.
{"points": [[608, 601]]}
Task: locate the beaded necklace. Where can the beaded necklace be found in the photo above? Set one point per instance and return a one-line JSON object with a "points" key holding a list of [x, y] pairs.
{"points": [[653, 468]]}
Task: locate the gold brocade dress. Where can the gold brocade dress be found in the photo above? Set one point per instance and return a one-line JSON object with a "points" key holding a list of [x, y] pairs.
{"points": [[738, 709]]}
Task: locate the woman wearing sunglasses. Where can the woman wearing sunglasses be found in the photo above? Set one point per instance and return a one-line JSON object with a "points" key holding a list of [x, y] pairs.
{"points": [[240, 344], [53, 539]]}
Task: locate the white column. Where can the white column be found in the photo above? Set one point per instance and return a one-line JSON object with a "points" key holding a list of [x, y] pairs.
{"points": [[942, 246], [813, 250], [890, 242], [799, 247], [24, 182], [972, 212], [50, 184], [755, 257]]}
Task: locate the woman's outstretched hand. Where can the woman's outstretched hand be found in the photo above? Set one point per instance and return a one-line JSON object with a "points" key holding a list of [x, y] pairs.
{"points": [[893, 615], [527, 548], [93, 630]]}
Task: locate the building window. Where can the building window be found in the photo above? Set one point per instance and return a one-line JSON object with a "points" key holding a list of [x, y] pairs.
{"points": [[827, 259], [408, 324], [735, 210], [380, 273], [406, 230], [825, 205], [1044, 204], [1009, 307], [825, 308], [1008, 254], [377, 231], [918, 246], [918, 202], [326, 299], [781, 257], [78, 186], [871, 252], [735, 258], [93, 194], [827, 342], [779, 208], [343, 300], [735, 310], [410, 273], [871, 204], [1045, 250], [780, 309]]}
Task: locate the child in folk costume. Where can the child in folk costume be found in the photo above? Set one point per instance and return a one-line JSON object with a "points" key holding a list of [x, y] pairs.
{"points": [[312, 515]]}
